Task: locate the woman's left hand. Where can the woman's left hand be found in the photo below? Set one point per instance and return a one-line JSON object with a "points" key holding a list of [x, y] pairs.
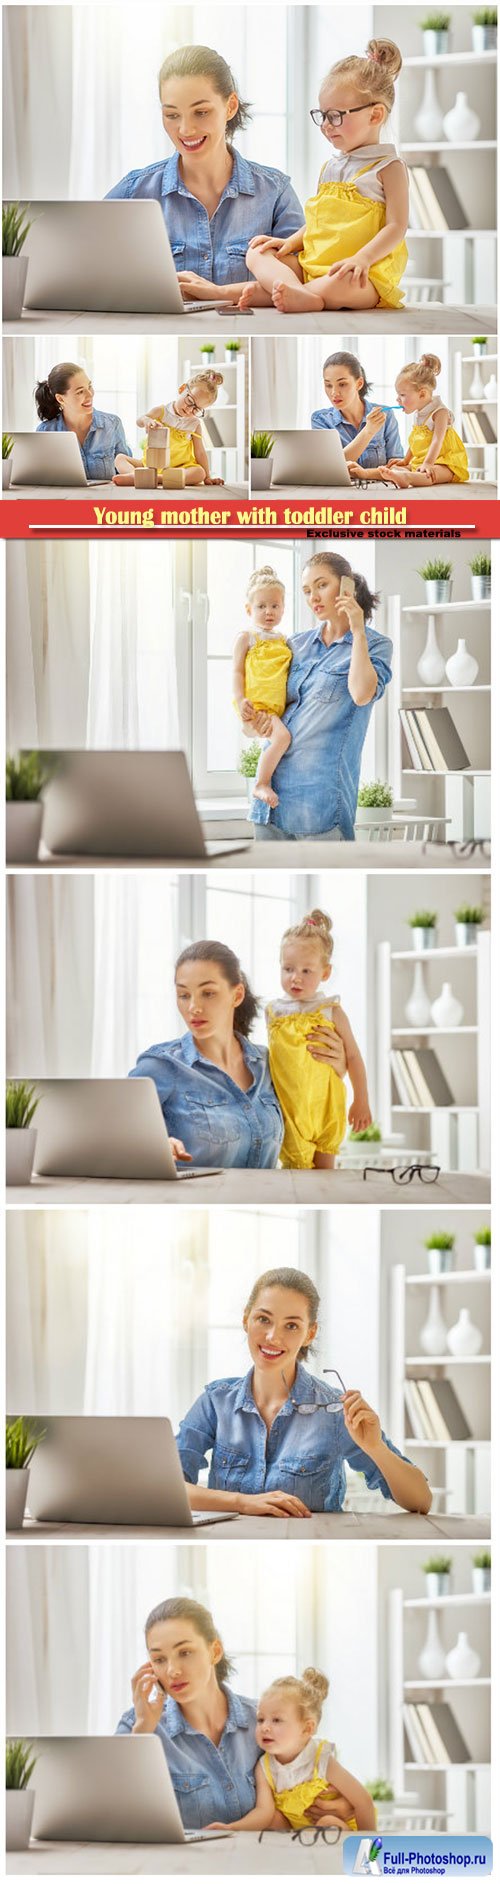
{"points": [[363, 1424], [324, 1044], [197, 288], [321, 1812], [347, 605]]}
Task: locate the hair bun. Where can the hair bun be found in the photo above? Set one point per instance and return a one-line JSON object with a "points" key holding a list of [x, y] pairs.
{"points": [[384, 53], [430, 360], [266, 569], [320, 921], [316, 1682]]}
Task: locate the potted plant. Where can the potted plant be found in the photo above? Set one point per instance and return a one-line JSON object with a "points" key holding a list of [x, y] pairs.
{"points": [[382, 1793], [15, 229], [261, 452], [480, 568], [438, 577], [20, 1107], [21, 1440], [435, 29], [479, 344], [423, 925], [25, 777], [248, 762], [440, 1246], [482, 1249], [7, 450], [375, 801], [20, 1762], [481, 1573], [437, 1572], [231, 349], [468, 920], [208, 347], [484, 30]]}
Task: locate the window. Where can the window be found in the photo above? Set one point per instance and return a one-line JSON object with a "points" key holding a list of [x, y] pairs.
{"points": [[266, 1612], [252, 919], [264, 1239]]}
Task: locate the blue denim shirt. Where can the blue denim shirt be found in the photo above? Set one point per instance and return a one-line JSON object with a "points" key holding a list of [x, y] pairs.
{"points": [[209, 1782], [386, 443], [100, 447], [318, 777], [256, 201], [219, 1124], [304, 1453]]}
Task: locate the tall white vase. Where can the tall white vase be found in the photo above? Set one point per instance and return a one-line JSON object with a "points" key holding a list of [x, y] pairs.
{"points": [[462, 668], [432, 1658], [418, 1007], [432, 1337], [429, 118], [476, 388], [431, 667], [461, 125]]}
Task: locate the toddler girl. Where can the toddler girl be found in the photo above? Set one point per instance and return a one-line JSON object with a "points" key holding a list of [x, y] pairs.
{"points": [[297, 1767], [436, 454], [182, 449], [351, 252], [260, 668], [311, 1094]]}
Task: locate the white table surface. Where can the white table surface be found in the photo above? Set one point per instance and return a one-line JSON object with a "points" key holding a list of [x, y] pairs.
{"points": [[431, 317], [117, 494], [256, 1187], [376, 493], [399, 1526], [278, 1855], [301, 854]]}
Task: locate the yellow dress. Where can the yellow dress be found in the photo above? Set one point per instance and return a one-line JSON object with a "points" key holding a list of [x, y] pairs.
{"points": [[339, 221], [295, 1801], [179, 449], [266, 673], [452, 453], [311, 1094]]}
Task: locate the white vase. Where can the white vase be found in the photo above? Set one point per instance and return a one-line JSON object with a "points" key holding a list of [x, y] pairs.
{"points": [[418, 1008], [447, 1011], [491, 388], [462, 1662], [429, 118], [431, 666], [16, 1492], [432, 1337], [19, 1808], [461, 125], [462, 668], [464, 1338], [432, 1658], [476, 388]]}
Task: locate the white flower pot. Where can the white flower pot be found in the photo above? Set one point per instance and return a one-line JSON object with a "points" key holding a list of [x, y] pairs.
{"points": [[464, 1338], [438, 591], [432, 1659], [6, 472], [440, 1261], [482, 1257], [230, 356], [262, 471], [462, 668], [447, 1011], [14, 272], [481, 1581], [466, 934], [462, 1662], [19, 1807], [432, 1336], [16, 1492], [429, 118], [23, 831], [374, 814], [437, 1583], [461, 125], [431, 667], [418, 1008], [19, 1154], [484, 38], [479, 347], [481, 588], [435, 44], [424, 939]]}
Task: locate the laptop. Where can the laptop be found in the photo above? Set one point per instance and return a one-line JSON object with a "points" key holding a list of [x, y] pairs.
{"points": [[301, 458], [50, 458], [109, 1470], [107, 1789], [125, 804], [105, 1128], [103, 258]]}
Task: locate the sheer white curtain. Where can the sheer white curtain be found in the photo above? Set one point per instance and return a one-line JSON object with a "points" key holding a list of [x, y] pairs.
{"points": [[37, 100], [47, 1640], [46, 1310], [132, 696], [115, 110], [47, 630], [274, 383]]}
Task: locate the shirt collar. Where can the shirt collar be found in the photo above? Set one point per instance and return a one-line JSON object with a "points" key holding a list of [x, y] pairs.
{"points": [[191, 1053], [317, 636], [306, 1389], [241, 181], [176, 1724]]}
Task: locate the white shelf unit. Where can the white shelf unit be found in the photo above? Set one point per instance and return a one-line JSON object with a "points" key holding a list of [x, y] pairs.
{"points": [[462, 263], [483, 459], [463, 798], [457, 1469], [460, 1792], [229, 459], [458, 1134]]}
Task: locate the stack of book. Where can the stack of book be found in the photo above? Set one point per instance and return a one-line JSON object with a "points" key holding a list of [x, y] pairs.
{"points": [[434, 1412], [434, 203], [478, 429], [431, 740], [432, 1735], [418, 1078]]}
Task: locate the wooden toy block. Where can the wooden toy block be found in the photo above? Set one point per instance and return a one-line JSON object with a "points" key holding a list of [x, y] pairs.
{"points": [[172, 477], [145, 477]]}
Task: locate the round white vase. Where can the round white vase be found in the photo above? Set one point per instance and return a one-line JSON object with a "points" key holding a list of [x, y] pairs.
{"points": [[447, 1011], [462, 668], [429, 118], [462, 1662], [432, 1658], [491, 388], [431, 667], [461, 125], [418, 1007], [464, 1338], [432, 1337]]}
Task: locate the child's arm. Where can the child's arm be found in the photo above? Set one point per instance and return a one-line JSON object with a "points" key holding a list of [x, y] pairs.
{"points": [[152, 418], [263, 1813], [240, 652], [395, 187], [201, 458], [441, 423], [359, 1112], [354, 1794], [405, 460]]}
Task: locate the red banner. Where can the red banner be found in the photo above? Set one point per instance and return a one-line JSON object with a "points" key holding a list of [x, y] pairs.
{"points": [[266, 516]]}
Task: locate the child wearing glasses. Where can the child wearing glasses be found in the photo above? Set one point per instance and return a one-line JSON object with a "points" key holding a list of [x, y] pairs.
{"points": [[297, 1767], [351, 252], [173, 434], [436, 454], [261, 660], [311, 1094]]}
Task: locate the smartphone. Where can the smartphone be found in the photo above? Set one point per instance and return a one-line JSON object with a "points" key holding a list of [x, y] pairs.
{"points": [[347, 585], [232, 313]]}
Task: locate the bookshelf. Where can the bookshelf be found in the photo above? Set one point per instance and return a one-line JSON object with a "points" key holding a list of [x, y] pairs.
{"points": [[456, 1133], [463, 797], [461, 261], [229, 459], [458, 1791], [483, 458], [457, 1469]]}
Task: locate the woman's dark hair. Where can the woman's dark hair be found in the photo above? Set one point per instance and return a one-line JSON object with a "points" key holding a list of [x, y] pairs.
{"points": [[57, 381], [288, 1279], [352, 365], [203, 62], [339, 567], [227, 961], [184, 1609]]}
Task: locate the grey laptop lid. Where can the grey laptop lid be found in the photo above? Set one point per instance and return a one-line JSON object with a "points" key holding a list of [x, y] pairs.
{"points": [[110, 1789], [107, 1470], [124, 804], [101, 1128], [47, 459], [312, 457], [103, 258]]}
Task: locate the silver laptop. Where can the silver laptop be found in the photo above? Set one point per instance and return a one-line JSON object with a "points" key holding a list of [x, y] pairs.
{"points": [[126, 804], [50, 459], [301, 458], [104, 258], [109, 1470], [105, 1128], [107, 1789]]}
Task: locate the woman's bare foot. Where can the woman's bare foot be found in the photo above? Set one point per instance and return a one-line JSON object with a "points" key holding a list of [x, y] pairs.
{"points": [[265, 792], [293, 298]]}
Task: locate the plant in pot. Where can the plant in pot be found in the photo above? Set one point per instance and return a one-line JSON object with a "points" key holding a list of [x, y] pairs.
{"points": [[15, 229], [25, 777], [207, 347], [484, 30], [20, 1761], [248, 762], [20, 1106], [7, 450], [21, 1440], [480, 569], [437, 1572], [436, 30], [375, 804], [468, 919], [423, 925], [382, 1793], [261, 453], [481, 1573], [438, 577], [231, 350], [440, 1246], [482, 1248]]}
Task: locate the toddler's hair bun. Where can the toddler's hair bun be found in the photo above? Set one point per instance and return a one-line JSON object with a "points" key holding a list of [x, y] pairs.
{"points": [[430, 360], [320, 921], [317, 1682], [266, 569], [385, 54]]}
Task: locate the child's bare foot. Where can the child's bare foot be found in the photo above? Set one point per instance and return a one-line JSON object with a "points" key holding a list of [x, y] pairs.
{"points": [[265, 792], [293, 298], [122, 477], [253, 296]]}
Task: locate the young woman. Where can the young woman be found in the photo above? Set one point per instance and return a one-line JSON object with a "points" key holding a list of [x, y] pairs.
{"points": [[65, 403], [370, 436]]}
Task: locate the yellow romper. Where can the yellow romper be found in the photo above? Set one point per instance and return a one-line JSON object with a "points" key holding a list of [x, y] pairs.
{"points": [[266, 673], [452, 453], [340, 220], [295, 1801], [179, 449], [311, 1094]]}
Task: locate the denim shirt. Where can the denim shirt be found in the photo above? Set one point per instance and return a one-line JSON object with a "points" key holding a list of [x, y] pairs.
{"points": [[219, 1124], [317, 779], [256, 201], [304, 1453], [100, 447], [386, 443], [209, 1782]]}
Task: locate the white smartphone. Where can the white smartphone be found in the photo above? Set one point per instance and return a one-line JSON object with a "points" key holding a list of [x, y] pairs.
{"points": [[347, 586]]}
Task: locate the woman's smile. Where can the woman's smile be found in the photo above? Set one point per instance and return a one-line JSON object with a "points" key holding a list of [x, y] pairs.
{"points": [[272, 1354], [193, 143]]}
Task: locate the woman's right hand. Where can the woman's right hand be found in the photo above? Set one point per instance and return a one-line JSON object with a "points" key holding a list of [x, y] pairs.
{"points": [[179, 1152], [374, 421], [270, 1504], [147, 1712]]}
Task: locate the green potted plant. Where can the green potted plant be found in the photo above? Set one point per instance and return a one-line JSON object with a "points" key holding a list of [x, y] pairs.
{"points": [[479, 344], [437, 1572], [7, 450], [423, 925], [20, 1761], [20, 1106], [484, 30], [375, 803], [440, 1246], [438, 577], [481, 1573], [248, 762], [231, 351], [436, 34], [15, 229], [382, 1793], [261, 453], [25, 777], [207, 347], [468, 919], [21, 1440], [480, 569], [370, 1136], [482, 1249]]}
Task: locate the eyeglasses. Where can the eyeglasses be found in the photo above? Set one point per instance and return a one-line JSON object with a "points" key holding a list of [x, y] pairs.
{"points": [[470, 849], [309, 1407], [191, 404], [404, 1174], [309, 1835], [336, 117]]}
